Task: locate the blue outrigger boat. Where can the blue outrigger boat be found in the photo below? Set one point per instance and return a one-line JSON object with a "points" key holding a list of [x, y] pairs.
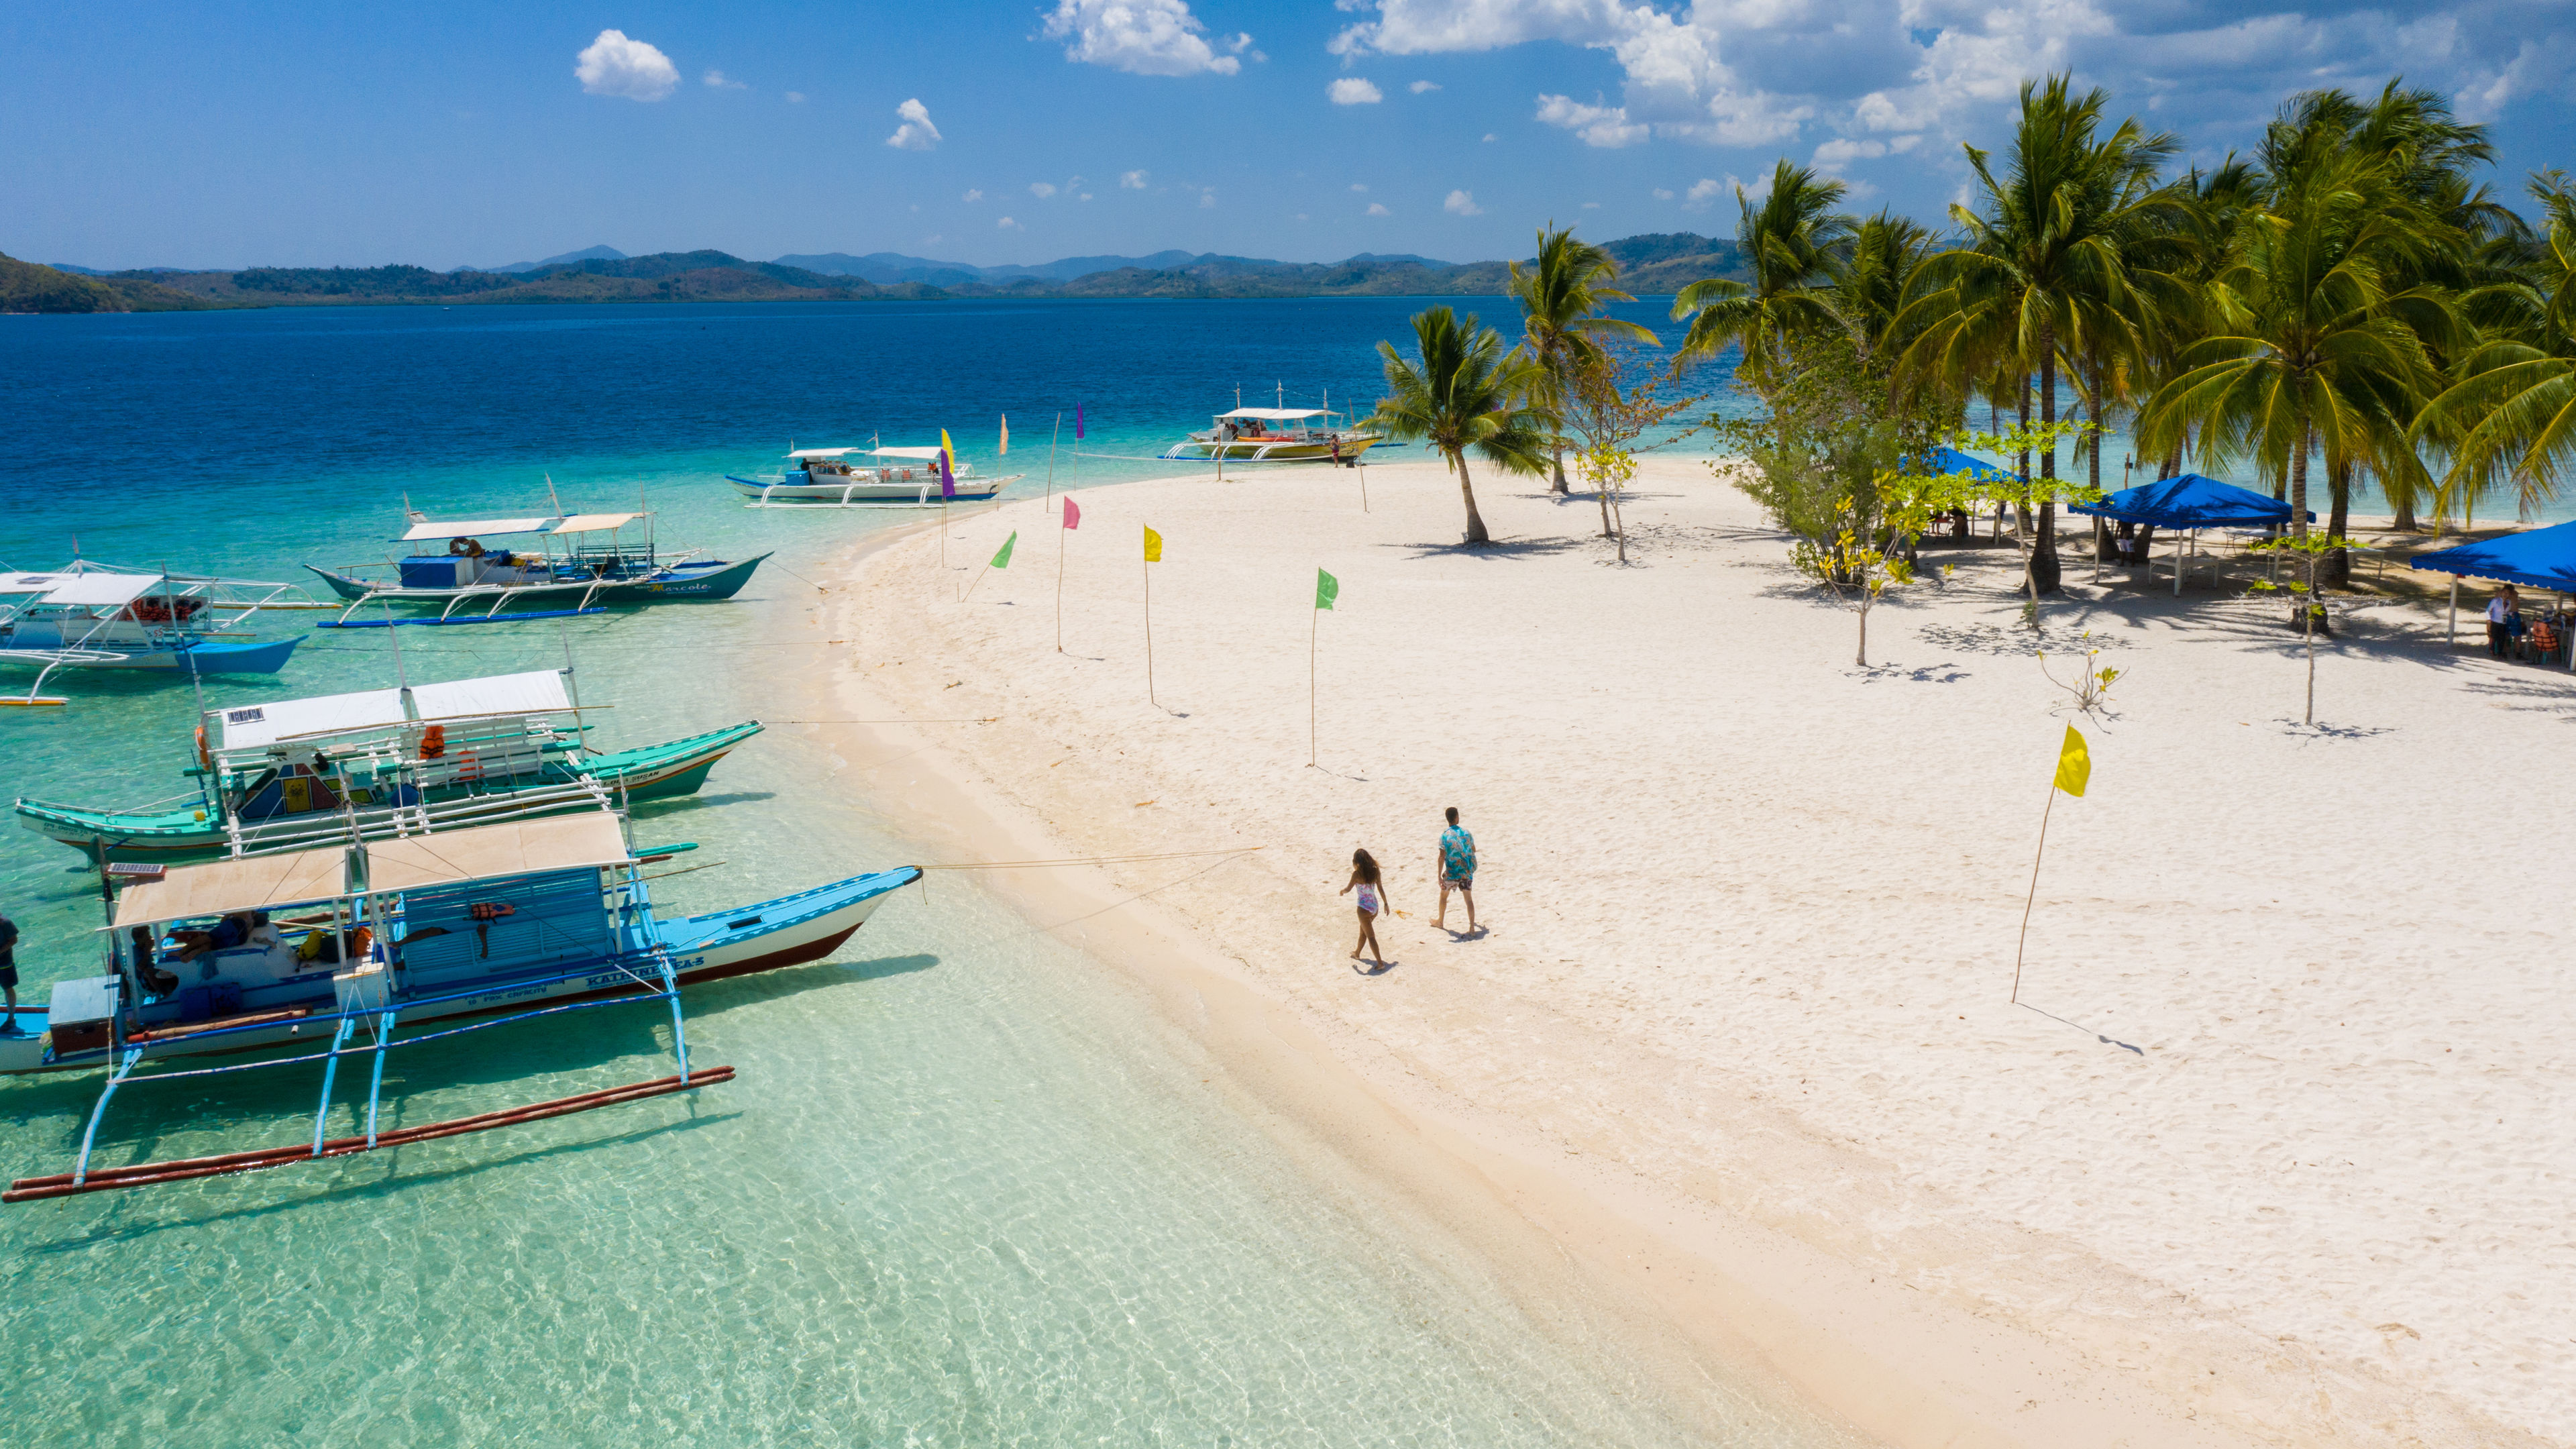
{"points": [[347, 951], [89, 615], [582, 562]]}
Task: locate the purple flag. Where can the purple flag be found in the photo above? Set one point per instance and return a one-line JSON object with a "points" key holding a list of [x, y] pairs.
{"points": [[947, 480], [1077, 422]]}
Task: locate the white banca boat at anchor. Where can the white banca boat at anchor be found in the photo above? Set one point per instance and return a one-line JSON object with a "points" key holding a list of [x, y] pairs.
{"points": [[345, 951], [1278, 435], [582, 561], [849, 477], [104, 616]]}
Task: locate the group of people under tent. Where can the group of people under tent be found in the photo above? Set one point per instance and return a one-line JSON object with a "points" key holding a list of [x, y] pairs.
{"points": [[2536, 639]]}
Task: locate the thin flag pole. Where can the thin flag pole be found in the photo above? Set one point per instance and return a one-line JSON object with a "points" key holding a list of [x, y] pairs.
{"points": [[1149, 634], [1060, 542], [1314, 628], [2034, 890], [1051, 442]]}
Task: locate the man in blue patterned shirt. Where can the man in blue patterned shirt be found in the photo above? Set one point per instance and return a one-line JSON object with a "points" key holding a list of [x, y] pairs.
{"points": [[1457, 872]]}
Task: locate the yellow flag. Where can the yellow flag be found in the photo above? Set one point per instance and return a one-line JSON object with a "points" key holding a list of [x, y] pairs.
{"points": [[948, 448], [2074, 766], [1153, 546], [1005, 449]]}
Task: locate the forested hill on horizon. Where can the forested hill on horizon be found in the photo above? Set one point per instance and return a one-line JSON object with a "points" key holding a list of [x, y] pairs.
{"points": [[1654, 264]]}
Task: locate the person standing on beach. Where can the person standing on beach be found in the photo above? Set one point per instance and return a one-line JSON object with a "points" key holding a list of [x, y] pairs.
{"points": [[1368, 881], [2502, 612], [1457, 872]]}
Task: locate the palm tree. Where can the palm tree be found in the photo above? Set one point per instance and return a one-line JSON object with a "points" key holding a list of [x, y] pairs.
{"points": [[2512, 414], [2048, 258], [2319, 332], [1561, 297], [1464, 392], [1791, 241]]}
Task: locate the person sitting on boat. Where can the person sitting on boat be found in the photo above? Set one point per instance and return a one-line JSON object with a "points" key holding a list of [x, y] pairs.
{"points": [[228, 933], [156, 982]]}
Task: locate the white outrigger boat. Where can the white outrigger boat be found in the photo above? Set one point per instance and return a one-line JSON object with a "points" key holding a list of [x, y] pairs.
{"points": [[347, 950], [875, 477], [90, 615], [586, 560], [1278, 435]]}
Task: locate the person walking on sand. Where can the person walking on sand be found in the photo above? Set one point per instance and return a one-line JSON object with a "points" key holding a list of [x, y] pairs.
{"points": [[1368, 881], [1457, 872]]}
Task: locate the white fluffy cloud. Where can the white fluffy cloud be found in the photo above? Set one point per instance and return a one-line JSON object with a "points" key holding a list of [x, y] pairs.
{"points": [[1847, 76], [718, 80], [1132, 180], [1359, 186], [1006, 224], [1423, 87], [1352, 90], [1207, 200], [1597, 125], [1704, 192], [972, 195], [613, 65], [1461, 203], [1041, 189], [916, 133], [1144, 37], [1378, 208]]}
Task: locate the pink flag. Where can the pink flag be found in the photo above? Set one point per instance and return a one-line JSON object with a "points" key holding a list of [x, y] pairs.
{"points": [[1077, 422], [1072, 515]]}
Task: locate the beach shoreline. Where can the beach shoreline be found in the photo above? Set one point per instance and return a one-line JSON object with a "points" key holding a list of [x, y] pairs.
{"points": [[1809, 1263]]}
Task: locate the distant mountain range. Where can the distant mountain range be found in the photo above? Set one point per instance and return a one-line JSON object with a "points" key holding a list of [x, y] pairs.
{"points": [[1654, 264]]}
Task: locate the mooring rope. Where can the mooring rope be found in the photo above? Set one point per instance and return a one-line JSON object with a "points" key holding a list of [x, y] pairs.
{"points": [[1093, 859]]}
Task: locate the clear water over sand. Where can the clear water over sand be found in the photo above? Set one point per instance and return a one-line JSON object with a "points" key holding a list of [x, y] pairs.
{"points": [[963, 1192]]}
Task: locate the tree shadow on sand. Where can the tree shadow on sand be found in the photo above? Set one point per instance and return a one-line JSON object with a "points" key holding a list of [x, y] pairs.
{"points": [[1501, 548]]}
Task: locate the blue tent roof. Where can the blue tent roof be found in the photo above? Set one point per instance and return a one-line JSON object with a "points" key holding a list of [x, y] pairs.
{"points": [[2190, 501], [1951, 460], [2544, 558]]}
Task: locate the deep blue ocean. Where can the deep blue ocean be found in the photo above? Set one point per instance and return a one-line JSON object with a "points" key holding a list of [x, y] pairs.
{"points": [[965, 1192]]}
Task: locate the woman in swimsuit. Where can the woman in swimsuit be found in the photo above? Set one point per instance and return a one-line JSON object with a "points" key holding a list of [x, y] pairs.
{"points": [[1366, 879]]}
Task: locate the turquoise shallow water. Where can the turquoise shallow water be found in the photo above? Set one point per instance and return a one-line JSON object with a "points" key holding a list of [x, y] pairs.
{"points": [[964, 1192]]}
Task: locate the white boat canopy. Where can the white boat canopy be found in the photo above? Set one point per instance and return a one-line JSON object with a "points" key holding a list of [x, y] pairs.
{"points": [[513, 847], [1275, 415], [825, 452], [496, 527], [921, 453], [536, 692], [249, 883]]}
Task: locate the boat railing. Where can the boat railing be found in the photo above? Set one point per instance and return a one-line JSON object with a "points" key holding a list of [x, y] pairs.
{"points": [[377, 822]]}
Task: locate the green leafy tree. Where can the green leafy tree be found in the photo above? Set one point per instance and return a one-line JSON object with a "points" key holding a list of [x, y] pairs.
{"points": [[1613, 399], [2511, 415], [1464, 392], [1562, 295], [2309, 551], [1792, 240]]}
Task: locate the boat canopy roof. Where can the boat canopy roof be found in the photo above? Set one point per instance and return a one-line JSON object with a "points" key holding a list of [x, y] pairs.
{"points": [[536, 692], [1275, 415], [485, 852], [305, 877], [922, 453], [250, 883], [92, 587], [497, 527]]}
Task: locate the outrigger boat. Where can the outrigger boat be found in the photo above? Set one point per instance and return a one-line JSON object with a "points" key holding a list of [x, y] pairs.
{"points": [[382, 762], [347, 950], [91, 615], [845, 478], [1278, 435], [596, 564]]}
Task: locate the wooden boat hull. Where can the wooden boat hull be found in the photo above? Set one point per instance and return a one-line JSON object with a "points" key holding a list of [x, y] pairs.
{"points": [[787, 931], [839, 495], [666, 771], [686, 583]]}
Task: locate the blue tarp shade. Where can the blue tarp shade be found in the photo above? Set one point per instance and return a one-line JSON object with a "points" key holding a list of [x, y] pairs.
{"points": [[2190, 501], [2542, 558], [1951, 460]]}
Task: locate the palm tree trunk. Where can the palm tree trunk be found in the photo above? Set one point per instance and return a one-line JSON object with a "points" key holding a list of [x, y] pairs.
{"points": [[2043, 553], [2339, 490], [2093, 462], [2299, 482], [1558, 454], [1476, 534]]}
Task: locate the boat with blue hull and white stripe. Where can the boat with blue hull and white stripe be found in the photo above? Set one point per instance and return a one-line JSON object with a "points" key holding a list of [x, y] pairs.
{"points": [[575, 564], [89, 615], [348, 953]]}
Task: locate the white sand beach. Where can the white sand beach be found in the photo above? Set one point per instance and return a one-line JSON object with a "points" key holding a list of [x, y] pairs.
{"points": [[2273, 1151]]}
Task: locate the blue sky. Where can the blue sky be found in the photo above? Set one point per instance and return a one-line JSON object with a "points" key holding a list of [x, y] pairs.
{"points": [[469, 133]]}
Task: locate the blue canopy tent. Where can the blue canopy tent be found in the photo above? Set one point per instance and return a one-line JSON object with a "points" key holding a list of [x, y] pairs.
{"points": [[2540, 558], [2187, 503]]}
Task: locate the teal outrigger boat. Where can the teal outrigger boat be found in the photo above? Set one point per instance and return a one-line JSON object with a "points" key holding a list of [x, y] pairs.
{"points": [[347, 952], [383, 762]]}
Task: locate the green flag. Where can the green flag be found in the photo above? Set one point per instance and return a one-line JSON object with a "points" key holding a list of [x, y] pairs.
{"points": [[1327, 589], [1002, 560]]}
